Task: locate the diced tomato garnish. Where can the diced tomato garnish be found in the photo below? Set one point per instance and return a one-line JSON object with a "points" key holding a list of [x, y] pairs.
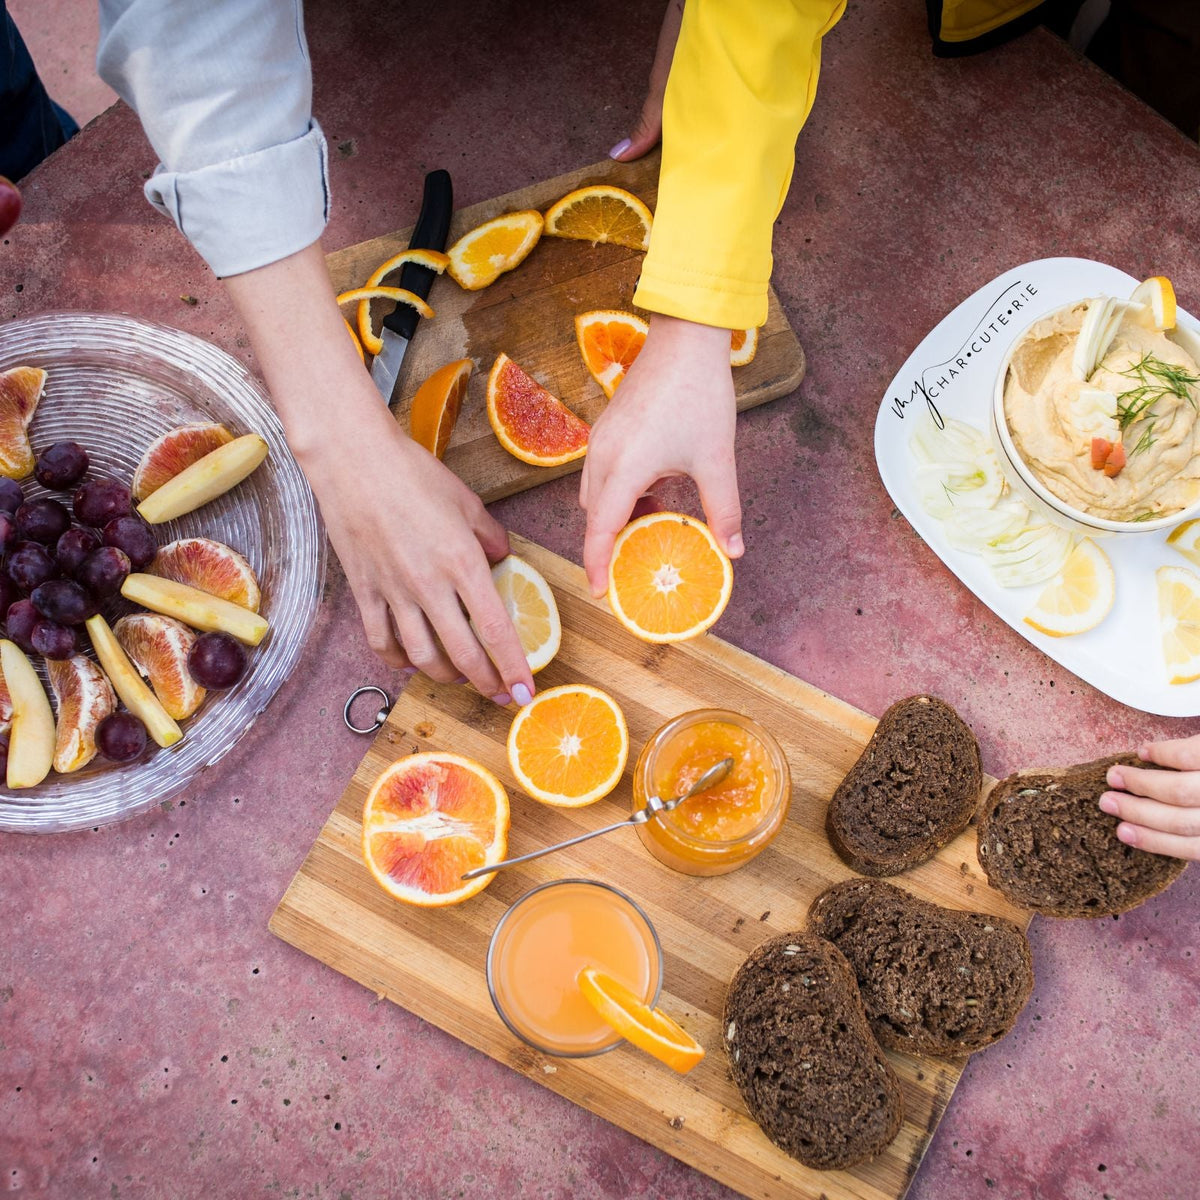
{"points": [[1101, 448], [1115, 461]]}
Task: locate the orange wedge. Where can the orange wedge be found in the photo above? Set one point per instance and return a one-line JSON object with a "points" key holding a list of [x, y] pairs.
{"points": [[20, 390], [668, 580], [531, 424], [84, 697], [568, 745], [609, 340], [370, 340], [743, 346], [601, 214], [482, 255], [436, 406], [647, 1028], [428, 819]]}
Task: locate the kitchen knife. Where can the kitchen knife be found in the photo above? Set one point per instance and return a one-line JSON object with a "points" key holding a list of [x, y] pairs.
{"points": [[430, 232]]}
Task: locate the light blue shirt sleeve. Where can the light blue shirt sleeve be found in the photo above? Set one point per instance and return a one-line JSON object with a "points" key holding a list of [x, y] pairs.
{"points": [[224, 92]]}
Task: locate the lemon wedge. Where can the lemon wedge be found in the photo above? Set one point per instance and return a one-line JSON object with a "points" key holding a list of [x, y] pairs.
{"points": [[1179, 618], [1186, 539], [530, 603], [1159, 296], [1079, 597]]}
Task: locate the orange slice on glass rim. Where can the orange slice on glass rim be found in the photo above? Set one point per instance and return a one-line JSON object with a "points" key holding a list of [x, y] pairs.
{"points": [[484, 253], [609, 340], [668, 580], [568, 746], [530, 423], [601, 214], [370, 340], [428, 819], [647, 1028], [436, 406]]}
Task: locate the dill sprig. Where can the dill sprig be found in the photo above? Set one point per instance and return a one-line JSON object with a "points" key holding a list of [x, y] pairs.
{"points": [[1156, 380]]}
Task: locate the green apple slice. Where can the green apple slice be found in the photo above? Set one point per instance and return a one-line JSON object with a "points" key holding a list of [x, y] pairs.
{"points": [[129, 684]]}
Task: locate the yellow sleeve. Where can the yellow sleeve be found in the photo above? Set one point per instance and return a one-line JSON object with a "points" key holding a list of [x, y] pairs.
{"points": [[742, 82]]}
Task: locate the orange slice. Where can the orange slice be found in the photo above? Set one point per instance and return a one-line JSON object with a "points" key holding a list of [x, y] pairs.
{"points": [[436, 406], [434, 260], [20, 390], [568, 745], [428, 819], [532, 425], [601, 214], [84, 697], [483, 254], [743, 346], [647, 1028], [668, 580], [362, 356], [371, 341], [609, 340]]}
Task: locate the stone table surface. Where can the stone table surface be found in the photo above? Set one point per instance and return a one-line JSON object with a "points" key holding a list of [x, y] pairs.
{"points": [[157, 1041]]}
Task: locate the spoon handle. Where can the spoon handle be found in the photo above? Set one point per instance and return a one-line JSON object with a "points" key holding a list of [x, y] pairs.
{"points": [[524, 858]]}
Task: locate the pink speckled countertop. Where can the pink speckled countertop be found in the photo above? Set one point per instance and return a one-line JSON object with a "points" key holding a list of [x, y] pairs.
{"points": [[156, 1041]]}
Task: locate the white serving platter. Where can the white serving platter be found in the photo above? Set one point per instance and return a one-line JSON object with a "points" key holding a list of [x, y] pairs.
{"points": [[954, 369]]}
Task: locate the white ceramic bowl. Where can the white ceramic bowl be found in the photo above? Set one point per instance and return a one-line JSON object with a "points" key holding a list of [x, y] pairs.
{"points": [[1040, 499]]}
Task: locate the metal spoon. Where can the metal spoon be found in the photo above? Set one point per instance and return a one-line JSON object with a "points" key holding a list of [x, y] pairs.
{"points": [[654, 806]]}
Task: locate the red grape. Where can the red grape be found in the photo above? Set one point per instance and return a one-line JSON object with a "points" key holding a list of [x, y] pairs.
{"points": [[216, 661], [64, 601], [9, 594], [121, 737], [30, 565], [10, 204], [62, 466], [103, 571], [11, 496], [100, 501], [53, 640], [42, 520], [19, 622], [132, 535], [8, 532], [74, 546], [3, 758]]}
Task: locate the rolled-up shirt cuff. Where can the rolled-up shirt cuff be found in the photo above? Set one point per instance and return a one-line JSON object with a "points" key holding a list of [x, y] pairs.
{"points": [[252, 210]]}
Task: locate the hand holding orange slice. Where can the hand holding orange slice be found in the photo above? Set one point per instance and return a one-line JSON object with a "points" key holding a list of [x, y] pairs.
{"points": [[435, 407], [484, 253], [647, 1028], [601, 213]]}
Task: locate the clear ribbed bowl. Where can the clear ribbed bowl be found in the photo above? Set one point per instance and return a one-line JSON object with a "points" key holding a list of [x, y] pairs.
{"points": [[114, 385]]}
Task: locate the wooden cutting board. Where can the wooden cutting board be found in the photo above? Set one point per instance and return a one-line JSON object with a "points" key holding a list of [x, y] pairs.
{"points": [[432, 961], [529, 313]]}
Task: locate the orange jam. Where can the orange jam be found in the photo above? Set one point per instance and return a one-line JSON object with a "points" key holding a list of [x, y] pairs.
{"points": [[726, 826]]}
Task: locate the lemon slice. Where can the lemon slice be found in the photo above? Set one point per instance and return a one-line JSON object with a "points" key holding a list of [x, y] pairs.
{"points": [[1159, 296], [1186, 539], [530, 603], [1179, 618], [1079, 597]]}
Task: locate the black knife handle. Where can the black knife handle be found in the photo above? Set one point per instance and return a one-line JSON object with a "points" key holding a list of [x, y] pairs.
{"points": [[430, 232]]}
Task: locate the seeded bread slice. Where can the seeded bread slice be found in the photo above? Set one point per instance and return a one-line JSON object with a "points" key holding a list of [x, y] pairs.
{"points": [[803, 1056], [913, 789], [933, 980], [1045, 843]]}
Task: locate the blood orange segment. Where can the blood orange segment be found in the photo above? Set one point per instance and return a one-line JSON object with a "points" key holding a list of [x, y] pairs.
{"points": [[20, 390], [158, 646], [668, 580], [484, 253], [743, 346], [83, 697], [428, 819], [175, 451], [609, 341], [436, 406], [601, 214], [210, 566], [531, 424]]}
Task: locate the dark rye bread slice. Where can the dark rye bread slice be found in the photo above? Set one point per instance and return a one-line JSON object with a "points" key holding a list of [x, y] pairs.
{"points": [[914, 788], [933, 980], [1045, 843], [803, 1056]]}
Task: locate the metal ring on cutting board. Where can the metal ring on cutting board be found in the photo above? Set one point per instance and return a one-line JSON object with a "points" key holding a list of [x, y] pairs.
{"points": [[380, 716]]}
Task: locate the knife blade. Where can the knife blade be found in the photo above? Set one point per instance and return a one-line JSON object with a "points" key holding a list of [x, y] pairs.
{"points": [[430, 232]]}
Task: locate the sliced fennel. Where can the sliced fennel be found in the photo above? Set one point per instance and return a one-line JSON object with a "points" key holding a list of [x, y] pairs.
{"points": [[971, 529], [1033, 555], [957, 442], [944, 486]]}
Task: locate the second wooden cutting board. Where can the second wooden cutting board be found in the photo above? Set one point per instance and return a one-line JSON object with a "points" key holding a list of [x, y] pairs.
{"points": [[529, 314]]}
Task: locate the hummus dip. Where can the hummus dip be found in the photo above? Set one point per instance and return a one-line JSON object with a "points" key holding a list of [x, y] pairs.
{"points": [[1053, 416]]}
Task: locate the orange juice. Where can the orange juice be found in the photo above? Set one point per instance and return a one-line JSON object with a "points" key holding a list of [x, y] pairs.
{"points": [[539, 948]]}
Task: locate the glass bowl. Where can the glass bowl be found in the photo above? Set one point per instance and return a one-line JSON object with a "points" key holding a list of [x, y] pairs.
{"points": [[114, 385]]}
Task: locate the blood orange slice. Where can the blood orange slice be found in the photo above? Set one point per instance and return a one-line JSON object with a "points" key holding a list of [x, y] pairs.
{"points": [[428, 819], [20, 390], [210, 566], [84, 697], [531, 424], [158, 646], [174, 452], [609, 340]]}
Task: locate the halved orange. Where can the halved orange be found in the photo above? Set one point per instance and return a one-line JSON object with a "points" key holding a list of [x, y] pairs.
{"points": [[568, 745], [428, 819], [436, 406], [647, 1028], [484, 253], [743, 346], [609, 340], [601, 214], [532, 425], [668, 580], [371, 341], [83, 697]]}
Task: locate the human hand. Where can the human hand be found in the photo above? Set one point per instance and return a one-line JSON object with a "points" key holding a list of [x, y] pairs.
{"points": [[10, 204], [673, 414], [648, 128], [1159, 810]]}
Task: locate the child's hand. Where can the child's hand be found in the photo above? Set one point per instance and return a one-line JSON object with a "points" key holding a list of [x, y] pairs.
{"points": [[1159, 810]]}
